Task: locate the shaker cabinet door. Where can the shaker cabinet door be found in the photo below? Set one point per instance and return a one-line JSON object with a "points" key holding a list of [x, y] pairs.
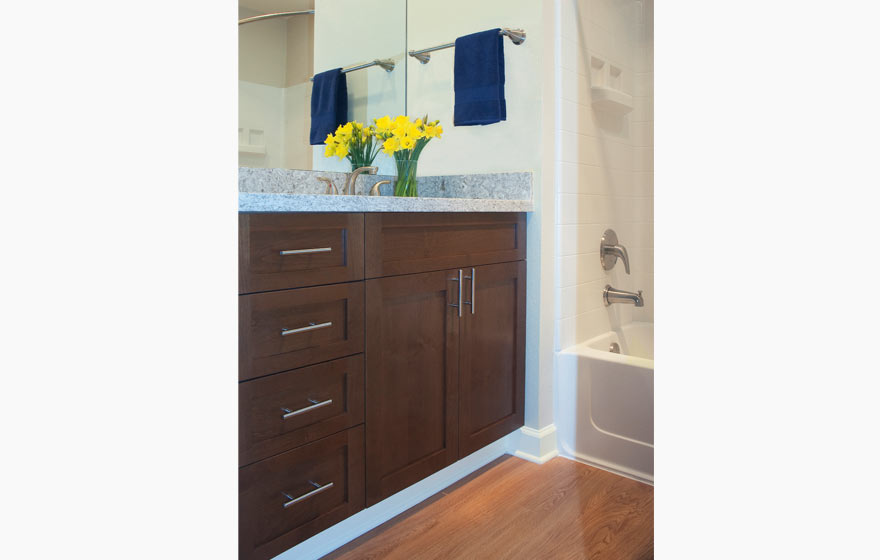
{"points": [[492, 375], [411, 379]]}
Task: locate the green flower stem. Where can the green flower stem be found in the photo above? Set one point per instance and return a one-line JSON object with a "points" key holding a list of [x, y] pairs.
{"points": [[406, 183]]}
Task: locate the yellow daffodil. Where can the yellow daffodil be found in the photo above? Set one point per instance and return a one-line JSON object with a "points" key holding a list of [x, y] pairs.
{"points": [[383, 125], [402, 138], [390, 146], [407, 142]]}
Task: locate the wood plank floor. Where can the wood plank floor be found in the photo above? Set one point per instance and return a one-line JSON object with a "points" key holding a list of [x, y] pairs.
{"points": [[514, 509]]}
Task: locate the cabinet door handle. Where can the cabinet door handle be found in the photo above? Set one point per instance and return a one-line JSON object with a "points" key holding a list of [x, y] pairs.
{"points": [[473, 301], [460, 288], [305, 251], [318, 489], [315, 404], [310, 327]]}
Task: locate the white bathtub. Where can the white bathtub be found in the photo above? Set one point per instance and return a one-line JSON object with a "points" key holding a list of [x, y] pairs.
{"points": [[605, 402]]}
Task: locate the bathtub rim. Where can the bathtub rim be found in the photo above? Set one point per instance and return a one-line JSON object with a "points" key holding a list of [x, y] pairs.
{"points": [[585, 350]]}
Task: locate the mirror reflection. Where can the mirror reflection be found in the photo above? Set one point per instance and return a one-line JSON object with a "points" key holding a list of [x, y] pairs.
{"points": [[279, 55]]}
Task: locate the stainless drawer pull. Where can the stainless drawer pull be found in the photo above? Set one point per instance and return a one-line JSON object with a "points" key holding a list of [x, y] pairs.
{"points": [[315, 404], [310, 327], [318, 489], [473, 301], [306, 251], [460, 288]]}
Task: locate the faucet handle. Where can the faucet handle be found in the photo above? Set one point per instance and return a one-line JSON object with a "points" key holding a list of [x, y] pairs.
{"points": [[331, 188], [620, 251], [610, 251], [375, 190]]}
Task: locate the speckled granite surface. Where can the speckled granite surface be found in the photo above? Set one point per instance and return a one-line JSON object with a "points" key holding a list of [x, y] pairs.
{"points": [[504, 186], [286, 202]]}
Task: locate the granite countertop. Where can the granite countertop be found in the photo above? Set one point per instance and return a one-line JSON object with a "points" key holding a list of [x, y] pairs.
{"points": [[285, 190], [286, 202]]}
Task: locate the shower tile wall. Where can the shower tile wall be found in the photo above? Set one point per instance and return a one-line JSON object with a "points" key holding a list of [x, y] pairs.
{"points": [[605, 166]]}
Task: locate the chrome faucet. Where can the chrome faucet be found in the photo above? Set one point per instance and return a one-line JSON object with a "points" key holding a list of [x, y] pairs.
{"points": [[613, 295], [349, 187], [610, 251]]}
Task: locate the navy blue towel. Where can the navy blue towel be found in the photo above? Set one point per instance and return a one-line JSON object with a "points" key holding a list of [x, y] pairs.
{"points": [[479, 79], [329, 104]]}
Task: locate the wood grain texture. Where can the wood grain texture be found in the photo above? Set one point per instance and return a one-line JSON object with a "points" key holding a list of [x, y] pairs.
{"points": [[412, 380], [519, 510], [262, 317], [492, 363], [266, 527], [262, 237], [407, 243], [263, 430]]}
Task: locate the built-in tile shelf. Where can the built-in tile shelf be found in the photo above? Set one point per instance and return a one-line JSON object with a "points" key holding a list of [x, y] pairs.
{"points": [[251, 149], [251, 141], [606, 92], [611, 100]]}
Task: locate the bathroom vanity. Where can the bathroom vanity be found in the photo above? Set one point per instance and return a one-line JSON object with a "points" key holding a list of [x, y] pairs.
{"points": [[376, 348]]}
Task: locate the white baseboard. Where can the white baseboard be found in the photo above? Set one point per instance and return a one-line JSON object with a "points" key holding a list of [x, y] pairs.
{"points": [[610, 467], [349, 529], [537, 446]]}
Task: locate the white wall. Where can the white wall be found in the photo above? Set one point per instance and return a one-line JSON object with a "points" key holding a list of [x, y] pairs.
{"points": [[260, 122], [511, 145], [275, 64], [605, 165], [521, 143], [349, 32], [299, 68], [261, 70]]}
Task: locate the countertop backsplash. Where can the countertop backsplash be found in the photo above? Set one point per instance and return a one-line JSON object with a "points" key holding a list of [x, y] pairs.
{"points": [[497, 186]]}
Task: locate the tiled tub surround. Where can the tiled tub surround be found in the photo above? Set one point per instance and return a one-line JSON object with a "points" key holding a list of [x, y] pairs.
{"points": [[291, 190], [605, 167]]}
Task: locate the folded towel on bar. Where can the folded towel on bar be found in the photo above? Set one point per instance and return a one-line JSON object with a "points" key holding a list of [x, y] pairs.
{"points": [[329, 104], [479, 79]]}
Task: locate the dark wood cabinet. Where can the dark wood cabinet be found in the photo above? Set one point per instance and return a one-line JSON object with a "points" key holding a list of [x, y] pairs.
{"points": [[412, 379], [374, 350], [281, 251], [445, 369], [290, 497], [283, 330], [492, 357], [282, 411], [406, 243]]}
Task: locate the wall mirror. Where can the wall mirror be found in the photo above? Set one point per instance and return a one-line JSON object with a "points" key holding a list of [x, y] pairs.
{"points": [[278, 55]]}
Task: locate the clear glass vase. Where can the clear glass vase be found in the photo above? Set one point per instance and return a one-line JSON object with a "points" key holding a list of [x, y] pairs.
{"points": [[406, 183]]}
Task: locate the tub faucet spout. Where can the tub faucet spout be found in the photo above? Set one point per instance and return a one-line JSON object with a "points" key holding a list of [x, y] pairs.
{"points": [[613, 295]]}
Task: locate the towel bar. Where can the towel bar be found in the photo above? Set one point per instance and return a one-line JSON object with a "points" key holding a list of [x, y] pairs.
{"points": [[276, 15], [517, 37], [387, 64]]}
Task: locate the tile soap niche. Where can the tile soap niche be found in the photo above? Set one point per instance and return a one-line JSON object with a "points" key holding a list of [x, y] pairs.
{"points": [[606, 93], [251, 141]]}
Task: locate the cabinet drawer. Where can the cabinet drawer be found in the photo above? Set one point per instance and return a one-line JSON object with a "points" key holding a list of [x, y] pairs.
{"points": [[284, 250], [294, 328], [286, 410], [408, 243], [290, 497]]}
